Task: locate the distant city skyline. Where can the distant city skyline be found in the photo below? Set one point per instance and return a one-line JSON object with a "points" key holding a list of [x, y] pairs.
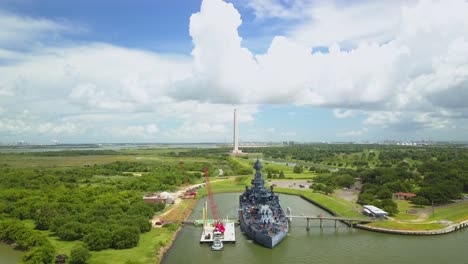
{"points": [[174, 71]]}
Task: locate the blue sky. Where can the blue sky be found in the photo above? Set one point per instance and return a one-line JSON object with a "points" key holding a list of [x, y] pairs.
{"points": [[173, 71]]}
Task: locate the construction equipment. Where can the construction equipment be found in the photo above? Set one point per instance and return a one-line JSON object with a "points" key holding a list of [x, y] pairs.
{"points": [[189, 192], [219, 229]]}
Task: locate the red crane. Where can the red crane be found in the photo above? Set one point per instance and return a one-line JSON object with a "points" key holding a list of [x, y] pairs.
{"points": [[210, 195], [213, 205]]}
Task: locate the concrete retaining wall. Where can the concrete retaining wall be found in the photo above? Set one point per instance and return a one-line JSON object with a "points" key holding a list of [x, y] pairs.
{"points": [[446, 230]]}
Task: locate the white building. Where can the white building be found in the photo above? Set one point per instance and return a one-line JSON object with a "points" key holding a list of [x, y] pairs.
{"points": [[374, 211]]}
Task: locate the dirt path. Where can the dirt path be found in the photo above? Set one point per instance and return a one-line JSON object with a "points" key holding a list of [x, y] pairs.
{"points": [[173, 211]]}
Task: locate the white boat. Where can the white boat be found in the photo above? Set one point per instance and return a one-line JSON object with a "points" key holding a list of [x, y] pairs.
{"points": [[217, 243]]}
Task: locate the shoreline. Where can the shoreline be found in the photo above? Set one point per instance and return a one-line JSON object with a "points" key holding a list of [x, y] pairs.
{"points": [[446, 230], [163, 250], [449, 229]]}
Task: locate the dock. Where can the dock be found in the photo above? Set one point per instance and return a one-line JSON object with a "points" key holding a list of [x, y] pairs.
{"points": [[228, 236], [208, 225]]}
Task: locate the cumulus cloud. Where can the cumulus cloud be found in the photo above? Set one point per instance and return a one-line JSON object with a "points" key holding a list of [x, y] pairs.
{"points": [[414, 62], [354, 133], [21, 126], [343, 113], [289, 9], [407, 65], [22, 32], [137, 132]]}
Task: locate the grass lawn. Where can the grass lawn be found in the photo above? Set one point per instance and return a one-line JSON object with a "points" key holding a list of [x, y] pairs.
{"points": [[62, 161], [182, 211], [407, 226], [232, 184], [403, 207], [455, 212], [146, 251], [338, 205], [304, 175]]}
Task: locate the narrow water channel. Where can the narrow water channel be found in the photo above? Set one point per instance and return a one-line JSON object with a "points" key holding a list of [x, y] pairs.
{"points": [[327, 245], [8, 255]]}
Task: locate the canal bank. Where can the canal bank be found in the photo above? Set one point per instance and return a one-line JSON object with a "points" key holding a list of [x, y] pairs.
{"points": [[449, 229]]}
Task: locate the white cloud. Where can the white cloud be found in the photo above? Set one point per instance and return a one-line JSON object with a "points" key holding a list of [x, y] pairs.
{"points": [[14, 126], [354, 133], [27, 123], [137, 132], [66, 128], [399, 66], [277, 9], [343, 113], [382, 118], [95, 76], [327, 24], [24, 31]]}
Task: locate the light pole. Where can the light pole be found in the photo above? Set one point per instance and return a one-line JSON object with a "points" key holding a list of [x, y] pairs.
{"points": [[432, 202]]}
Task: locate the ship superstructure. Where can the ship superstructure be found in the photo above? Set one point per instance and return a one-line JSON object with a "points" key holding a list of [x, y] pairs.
{"points": [[260, 215]]}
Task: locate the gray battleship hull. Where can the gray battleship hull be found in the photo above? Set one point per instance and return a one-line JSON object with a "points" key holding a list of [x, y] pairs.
{"points": [[261, 217], [262, 238]]}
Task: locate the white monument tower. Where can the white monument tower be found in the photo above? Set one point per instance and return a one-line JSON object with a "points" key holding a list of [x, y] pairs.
{"points": [[236, 135]]}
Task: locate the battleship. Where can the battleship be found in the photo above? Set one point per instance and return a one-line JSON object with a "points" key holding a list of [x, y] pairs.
{"points": [[260, 214]]}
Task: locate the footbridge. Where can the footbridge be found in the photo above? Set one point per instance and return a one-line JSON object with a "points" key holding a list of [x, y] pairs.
{"points": [[321, 218]]}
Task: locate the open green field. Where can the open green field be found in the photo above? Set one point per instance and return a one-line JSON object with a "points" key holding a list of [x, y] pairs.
{"points": [[338, 205], [454, 213], [404, 208], [288, 170], [457, 212], [231, 184], [146, 252], [407, 226], [61, 161]]}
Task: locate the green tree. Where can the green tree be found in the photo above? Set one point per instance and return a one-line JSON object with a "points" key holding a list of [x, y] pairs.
{"points": [[98, 239], [70, 231], [125, 237], [43, 217], [79, 254], [40, 255], [298, 169], [281, 175]]}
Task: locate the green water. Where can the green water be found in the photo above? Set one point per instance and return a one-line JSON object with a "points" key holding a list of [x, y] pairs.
{"points": [[327, 245], [8, 255]]}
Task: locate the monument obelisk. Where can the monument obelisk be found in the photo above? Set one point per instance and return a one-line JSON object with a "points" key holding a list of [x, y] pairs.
{"points": [[236, 135]]}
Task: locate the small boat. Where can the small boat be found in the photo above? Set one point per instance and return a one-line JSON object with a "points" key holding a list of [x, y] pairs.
{"points": [[217, 243]]}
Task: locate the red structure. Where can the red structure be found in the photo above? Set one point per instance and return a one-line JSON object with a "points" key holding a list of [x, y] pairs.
{"points": [[218, 225], [210, 196], [189, 193], [403, 195]]}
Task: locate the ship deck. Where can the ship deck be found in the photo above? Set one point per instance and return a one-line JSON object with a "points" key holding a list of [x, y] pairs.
{"points": [[229, 233]]}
